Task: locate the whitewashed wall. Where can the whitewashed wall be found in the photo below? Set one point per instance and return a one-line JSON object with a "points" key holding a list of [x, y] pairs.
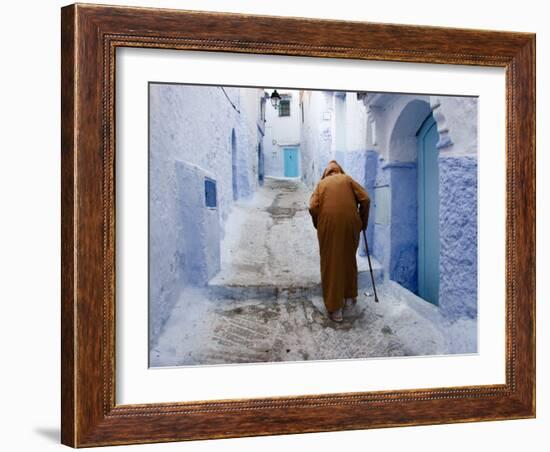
{"points": [[190, 132], [317, 134]]}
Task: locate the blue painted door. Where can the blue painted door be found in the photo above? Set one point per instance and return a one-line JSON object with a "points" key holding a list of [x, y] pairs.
{"points": [[291, 162], [428, 211]]}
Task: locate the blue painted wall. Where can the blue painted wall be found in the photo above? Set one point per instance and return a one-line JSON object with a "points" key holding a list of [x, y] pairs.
{"points": [[458, 236], [404, 225], [381, 242], [371, 166], [199, 229], [362, 166]]}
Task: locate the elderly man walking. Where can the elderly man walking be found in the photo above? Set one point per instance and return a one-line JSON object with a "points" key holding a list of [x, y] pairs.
{"points": [[339, 208]]}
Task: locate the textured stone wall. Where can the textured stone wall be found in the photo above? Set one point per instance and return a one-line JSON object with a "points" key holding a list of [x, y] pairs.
{"points": [[457, 121], [192, 125], [458, 236]]}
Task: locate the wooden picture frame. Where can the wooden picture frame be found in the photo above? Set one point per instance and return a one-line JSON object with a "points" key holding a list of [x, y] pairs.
{"points": [[90, 35]]}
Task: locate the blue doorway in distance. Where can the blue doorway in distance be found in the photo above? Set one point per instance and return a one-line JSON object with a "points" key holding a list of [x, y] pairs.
{"points": [[291, 162], [428, 211]]}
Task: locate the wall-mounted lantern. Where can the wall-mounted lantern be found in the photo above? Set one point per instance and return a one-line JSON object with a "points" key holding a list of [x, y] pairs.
{"points": [[275, 99]]}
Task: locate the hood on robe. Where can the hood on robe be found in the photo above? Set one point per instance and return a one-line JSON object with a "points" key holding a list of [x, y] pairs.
{"points": [[330, 169]]}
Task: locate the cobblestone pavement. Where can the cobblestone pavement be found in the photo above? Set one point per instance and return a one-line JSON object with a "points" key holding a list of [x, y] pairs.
{"points": [[287, 329]]}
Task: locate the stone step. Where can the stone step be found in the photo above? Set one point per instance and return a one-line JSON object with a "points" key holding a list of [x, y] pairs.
{"points": [[229, 288]]}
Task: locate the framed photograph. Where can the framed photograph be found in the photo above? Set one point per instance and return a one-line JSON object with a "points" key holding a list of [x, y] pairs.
{"points": [[280, 225]]}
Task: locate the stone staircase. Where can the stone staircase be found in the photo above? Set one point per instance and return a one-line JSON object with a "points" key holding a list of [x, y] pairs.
{"points": [[245, 287]]}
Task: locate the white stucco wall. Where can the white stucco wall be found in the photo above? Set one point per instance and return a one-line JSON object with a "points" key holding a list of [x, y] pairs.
{"points": [[385, 110], [457, 124], [335, 126], [317, 134], [356, 124], [453, 114]]}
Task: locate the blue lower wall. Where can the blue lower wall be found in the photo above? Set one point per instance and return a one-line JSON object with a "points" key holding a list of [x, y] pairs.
{"points": [[458, 236], [403, 263], [362, 166], [371, 167], [381, 232], [184, 238], [199, 226]]}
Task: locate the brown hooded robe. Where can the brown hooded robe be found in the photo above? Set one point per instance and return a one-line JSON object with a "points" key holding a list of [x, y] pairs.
{"points": [[334, 210]]}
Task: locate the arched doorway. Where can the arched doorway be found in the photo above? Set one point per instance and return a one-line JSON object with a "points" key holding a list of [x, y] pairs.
{"points": [[428, 211], [402, 177], [234, 165]]}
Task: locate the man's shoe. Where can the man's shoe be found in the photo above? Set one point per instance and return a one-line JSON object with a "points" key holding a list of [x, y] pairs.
{"points": [[336, 316]]}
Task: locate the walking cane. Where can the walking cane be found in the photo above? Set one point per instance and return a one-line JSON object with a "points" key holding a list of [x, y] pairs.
{"points": [[370, 267]]}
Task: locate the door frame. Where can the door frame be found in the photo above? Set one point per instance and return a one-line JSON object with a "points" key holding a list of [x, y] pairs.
{"points": [[291, 148], [427, 125]]}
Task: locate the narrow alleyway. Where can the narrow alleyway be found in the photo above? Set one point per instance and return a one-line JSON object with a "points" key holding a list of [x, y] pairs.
{"points": [[265, 304], [271, 245]]}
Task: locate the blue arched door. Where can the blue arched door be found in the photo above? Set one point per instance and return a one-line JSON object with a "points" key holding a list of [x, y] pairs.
{"points": [[428, 211]]}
